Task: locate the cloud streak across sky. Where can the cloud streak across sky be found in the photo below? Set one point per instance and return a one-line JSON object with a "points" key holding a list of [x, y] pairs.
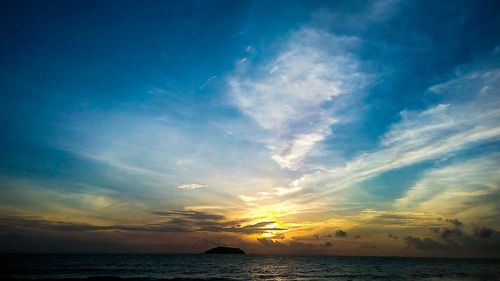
{"points": [[294, 96]]}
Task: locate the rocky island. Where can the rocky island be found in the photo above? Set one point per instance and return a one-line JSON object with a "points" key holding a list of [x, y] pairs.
{"points": [[225, 250]]}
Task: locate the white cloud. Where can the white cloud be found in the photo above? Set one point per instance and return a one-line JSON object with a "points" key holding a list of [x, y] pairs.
{"points": [[249, 49], [207, 81], [191, 186], [468, 190], [471, 117], [294, 96], [467, 179], [273, 193], [299, 148]]}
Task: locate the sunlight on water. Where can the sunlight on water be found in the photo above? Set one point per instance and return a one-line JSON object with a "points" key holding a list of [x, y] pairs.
{"points": [[247, 267]]}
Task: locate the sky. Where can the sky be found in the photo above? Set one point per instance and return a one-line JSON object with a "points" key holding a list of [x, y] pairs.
{"points": [[280, 127]]}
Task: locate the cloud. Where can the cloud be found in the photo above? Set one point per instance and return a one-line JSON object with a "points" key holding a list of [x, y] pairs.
{"points": [[392, 218], [340, 233], [446, 233], [468, 118], [191, 186], [270, 243], [447, 189], [484, 232], [455, 222], [207, 82], [327, 244], [272, 193], [295, 95], [249, 49], [38, 223], [423, 244], [311, 245], [257, 228], [175, 221], [195, 215], [215, 223], [482, 240]]}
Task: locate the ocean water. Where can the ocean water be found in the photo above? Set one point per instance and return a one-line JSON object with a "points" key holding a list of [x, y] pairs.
{"points": [[245, 267]]}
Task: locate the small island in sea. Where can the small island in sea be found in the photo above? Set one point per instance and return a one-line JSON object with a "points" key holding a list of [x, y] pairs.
{"points": [[225, 250]]}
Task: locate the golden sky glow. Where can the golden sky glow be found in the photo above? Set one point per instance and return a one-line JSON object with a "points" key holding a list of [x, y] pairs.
{"points": [[339, 128]]}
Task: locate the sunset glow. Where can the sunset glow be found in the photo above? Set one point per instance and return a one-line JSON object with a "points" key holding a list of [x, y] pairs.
{"points": [[365, 128]]}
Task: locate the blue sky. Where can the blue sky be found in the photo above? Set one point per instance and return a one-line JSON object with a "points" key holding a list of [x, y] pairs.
{"points": [[268, 125]]}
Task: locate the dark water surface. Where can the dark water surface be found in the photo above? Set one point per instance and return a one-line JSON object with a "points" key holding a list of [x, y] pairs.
{"points": [[246, 267]]}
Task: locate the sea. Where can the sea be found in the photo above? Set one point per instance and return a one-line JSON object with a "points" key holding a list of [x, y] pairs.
{"points": [[241, 267]]}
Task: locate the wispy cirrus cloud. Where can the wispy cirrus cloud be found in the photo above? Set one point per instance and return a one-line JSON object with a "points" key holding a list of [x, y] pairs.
{"points": [[294, 96], [191, 186], [272, 193], [469, 118], [453, 188]]}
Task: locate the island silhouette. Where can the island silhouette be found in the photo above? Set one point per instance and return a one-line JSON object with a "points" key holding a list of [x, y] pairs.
{"points": [[225, 250]]}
